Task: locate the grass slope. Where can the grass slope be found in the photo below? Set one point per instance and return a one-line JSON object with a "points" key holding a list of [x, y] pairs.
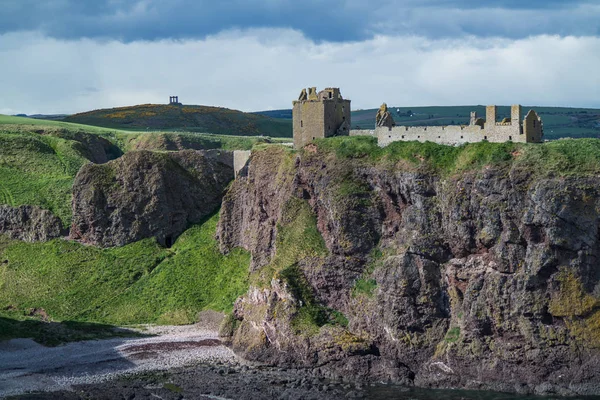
{"points": [[559, 157], [185, 117], [38, 170], [138, 283]]}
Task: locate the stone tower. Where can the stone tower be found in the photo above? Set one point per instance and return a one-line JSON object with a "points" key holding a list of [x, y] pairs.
{"points": [[320, 115]]}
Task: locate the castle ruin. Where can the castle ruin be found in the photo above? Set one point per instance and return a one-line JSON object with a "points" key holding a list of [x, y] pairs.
{"points": [[326, 113], [529, 130], [174, 100], [320, 115]]}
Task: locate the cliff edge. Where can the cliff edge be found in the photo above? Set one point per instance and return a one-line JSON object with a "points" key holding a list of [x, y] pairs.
{"points": [[482, 275]]}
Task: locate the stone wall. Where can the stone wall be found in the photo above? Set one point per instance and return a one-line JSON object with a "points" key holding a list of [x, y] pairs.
{"points": [[451, 135], [530, 131], [240, 159]]}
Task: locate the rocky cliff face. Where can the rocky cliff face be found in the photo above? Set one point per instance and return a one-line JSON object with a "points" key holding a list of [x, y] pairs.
{"points": [[487, 279], [145, 194], [29, 223]]}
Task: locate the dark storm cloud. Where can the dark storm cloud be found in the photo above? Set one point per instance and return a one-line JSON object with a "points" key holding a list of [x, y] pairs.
{"points": [[331, 20]]}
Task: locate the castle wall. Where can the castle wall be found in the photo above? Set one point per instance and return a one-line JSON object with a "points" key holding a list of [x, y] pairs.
{"points": [[450, 135]]}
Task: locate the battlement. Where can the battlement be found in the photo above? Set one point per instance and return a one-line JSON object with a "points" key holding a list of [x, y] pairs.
{"points": [[319, 115]]}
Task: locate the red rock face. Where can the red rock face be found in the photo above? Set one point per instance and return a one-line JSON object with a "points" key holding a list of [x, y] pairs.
{"points": [[145, 194], [466, 273]]}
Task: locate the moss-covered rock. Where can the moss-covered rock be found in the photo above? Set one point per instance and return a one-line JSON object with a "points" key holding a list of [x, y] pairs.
{"points": [[146, 194]]}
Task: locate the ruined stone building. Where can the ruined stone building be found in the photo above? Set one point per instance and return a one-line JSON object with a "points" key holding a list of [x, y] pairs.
{"points": [[529, 130], [326, 113], [320, 115]]}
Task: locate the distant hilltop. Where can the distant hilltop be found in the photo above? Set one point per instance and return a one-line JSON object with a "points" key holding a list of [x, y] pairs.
{"points": [[191, 118]]}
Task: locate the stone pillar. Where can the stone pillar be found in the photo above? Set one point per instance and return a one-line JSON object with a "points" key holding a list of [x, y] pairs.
{"points": [[473, 118], [490, 115], [515, 114]]}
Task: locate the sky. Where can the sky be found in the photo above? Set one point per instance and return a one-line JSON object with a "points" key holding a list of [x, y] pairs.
{"points": [[67, 56]]}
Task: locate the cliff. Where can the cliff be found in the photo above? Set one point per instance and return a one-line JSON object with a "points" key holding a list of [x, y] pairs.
{"points": [[146, 194], [437, 268]]}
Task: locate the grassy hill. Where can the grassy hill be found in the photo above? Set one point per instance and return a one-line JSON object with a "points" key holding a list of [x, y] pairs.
{"points": [[39, 159], [186, 118]]}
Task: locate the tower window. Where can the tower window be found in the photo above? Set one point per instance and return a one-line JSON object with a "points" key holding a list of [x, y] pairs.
{"points": [[534, 123], [330, 95], [301, 123], [510, 138]]}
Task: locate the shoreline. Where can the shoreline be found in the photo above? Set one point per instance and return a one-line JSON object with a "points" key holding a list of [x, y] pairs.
{"points": [[27, 366]]}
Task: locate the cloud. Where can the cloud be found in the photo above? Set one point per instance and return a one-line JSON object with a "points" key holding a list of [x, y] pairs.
{"points": [[266, 69], [332, 20]]}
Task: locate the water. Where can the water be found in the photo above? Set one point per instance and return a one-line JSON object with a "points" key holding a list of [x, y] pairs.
{"points": [[389, 392]]}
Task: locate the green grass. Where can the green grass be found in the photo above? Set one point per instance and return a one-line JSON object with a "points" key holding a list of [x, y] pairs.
{"points": [[452, 335], [137, 283], [28, 124], [364, 286], [560, 157], [38, 170]]}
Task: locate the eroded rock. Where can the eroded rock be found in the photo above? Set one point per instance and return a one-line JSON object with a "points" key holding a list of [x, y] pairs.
{"points": [[146, 194]]}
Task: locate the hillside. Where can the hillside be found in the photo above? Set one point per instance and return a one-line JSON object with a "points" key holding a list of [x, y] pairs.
{"points": [[186, 118], [39, 159]]}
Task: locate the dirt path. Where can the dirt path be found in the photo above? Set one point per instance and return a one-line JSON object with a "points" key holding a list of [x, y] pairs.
{"points": [[27, 366]]}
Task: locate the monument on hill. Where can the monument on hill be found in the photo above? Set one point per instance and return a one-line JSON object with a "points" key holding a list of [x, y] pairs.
{"points": [[320, 115]]}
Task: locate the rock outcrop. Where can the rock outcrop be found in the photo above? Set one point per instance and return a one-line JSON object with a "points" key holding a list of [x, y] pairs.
{"points": [[29, 223], [486, 280], [146, 194]]}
